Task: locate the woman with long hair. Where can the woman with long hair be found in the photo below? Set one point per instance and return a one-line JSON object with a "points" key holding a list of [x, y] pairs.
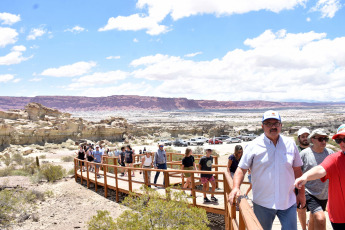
{"points": [[234, 159], [188, 163]]}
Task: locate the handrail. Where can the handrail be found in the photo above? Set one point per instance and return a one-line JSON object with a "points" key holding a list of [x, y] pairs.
{"points": [[247, 218]]}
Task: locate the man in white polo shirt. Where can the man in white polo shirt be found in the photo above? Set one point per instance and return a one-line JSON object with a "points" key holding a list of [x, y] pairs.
{"points": [[274, 162]]}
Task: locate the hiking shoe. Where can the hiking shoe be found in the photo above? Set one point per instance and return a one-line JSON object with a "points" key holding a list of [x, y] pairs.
{"points": [[206, 200], [214, 199]]}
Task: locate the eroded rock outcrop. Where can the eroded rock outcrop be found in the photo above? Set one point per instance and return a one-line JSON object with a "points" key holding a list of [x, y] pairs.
{"points": [[38, 124]]}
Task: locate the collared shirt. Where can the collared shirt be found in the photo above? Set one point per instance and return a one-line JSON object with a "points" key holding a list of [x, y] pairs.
{"points": [[160, 157], [272, 171]]}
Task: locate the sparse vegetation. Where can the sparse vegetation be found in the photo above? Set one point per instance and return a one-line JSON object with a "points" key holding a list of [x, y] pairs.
{"points": [[16, 203], [51, 172], [67, 158], [42, 156], [152, 211]]}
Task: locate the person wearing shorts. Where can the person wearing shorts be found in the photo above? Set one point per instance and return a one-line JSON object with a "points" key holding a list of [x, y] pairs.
{"points": [[205, 164], [316, 192], [97, 154], [188, 163], [129, 158]]}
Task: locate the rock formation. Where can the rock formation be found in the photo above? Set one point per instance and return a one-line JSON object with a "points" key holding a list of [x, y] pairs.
{"points": [[38, 124]]}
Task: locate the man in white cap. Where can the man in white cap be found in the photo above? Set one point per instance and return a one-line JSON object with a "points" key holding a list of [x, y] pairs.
{"points": [[316, 192], [302, 137], [303, 143], [274, 162], [332, 169]]}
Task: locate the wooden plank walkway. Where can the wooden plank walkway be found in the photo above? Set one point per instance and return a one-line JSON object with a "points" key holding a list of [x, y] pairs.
{"points": [[138, 181]]}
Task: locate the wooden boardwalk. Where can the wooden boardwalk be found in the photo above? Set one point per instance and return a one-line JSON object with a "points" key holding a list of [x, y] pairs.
{"points": [[110, 178]]}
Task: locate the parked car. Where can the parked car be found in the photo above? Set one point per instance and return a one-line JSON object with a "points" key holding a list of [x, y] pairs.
{"points": [[194, 141], [233, 140], [216, 141], [180, 142], [223, 137], [203, 139], [165, 142], [249, 137]]}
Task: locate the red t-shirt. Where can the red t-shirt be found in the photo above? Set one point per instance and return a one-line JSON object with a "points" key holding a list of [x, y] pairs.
{"points": [[334, 165]]}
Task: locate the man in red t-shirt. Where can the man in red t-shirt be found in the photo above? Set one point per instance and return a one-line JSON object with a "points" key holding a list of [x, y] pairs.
{"points": [[333, 169]]}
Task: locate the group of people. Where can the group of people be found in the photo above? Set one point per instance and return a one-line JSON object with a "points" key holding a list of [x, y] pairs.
{"points": [[288, 179]]}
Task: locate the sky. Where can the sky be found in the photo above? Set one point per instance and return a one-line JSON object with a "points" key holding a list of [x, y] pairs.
{"points": [[275, 50]]}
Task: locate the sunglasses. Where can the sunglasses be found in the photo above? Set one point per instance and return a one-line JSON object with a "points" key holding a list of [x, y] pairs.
{"points": [[270, 125], [339, 140], [321, 139]]}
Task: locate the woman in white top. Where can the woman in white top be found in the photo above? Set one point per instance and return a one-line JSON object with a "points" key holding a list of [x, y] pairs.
{"points": [[146, 162]]}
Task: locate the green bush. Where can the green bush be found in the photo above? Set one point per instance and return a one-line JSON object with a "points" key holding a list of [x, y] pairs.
{"points": [[152, 211], [67, 158], [15, 202], [102, 221], [18, 158], [42, 156], [52, 172]]}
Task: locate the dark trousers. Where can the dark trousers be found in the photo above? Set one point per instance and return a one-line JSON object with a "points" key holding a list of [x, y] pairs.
{"points": [[160, 166], [337, 226]]}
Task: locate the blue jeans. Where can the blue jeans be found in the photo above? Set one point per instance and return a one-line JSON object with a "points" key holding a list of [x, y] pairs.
{"points": [[160, 166], [287, 217]]}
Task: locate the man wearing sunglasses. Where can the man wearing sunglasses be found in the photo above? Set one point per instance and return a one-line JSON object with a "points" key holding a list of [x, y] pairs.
{"points": [[332, 169], [274, 162], [316, 192]]}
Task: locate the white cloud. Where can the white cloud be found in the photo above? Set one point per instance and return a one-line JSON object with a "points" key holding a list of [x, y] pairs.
{"points": [[6, 77], [73, 70], [76, 29], [158, 10], [98, 79], [35, 33], [328, 8], [9, 19], [193, 54], [16, 80], [14, 57], [113, 57], [308, 19], [135, 40], [7, 36], [36, 79], [276, 66]]}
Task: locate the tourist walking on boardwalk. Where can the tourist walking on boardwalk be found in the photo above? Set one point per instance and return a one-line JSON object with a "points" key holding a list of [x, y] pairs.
{"points": [[274, 162], [129, 158], [121, 159], [89, 154], [188, 164], [81, 156], [205, 164], [146, 162], [97, 154], [303, 143], [234, 159], [332, 169], [160, 162], [316, 192]]}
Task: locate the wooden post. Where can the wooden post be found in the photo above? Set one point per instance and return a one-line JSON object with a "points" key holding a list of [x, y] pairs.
{"points": [[166, 183], [81, 172], [130, 180], [216, 169], [96, 177], [171, 157], [242, 225], [116, 185], [146, 178], [227, 214], [193, 190], [75, 169], [87, 175], [105, 182]]}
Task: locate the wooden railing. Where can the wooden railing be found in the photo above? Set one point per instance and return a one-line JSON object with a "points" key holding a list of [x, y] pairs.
{"points": [[246, 220]]}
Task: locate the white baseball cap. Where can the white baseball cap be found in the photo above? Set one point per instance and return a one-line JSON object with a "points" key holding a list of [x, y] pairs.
{"points": [[271, 114], [303, 130]]}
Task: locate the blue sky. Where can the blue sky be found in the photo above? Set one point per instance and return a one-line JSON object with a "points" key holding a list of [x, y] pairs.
{"points": [[274, 50]]}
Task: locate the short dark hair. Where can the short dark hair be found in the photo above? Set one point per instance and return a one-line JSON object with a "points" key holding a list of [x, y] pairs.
{"points": [[122, 148]]}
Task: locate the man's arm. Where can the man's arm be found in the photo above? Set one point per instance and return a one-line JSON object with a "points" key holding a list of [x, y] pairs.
{"points": [[316, 172], [237, 180], [301, 193], [155, 161]]}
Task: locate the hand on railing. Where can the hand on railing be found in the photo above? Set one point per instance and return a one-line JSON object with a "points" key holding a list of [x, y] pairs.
{"points": [[234, 194]]}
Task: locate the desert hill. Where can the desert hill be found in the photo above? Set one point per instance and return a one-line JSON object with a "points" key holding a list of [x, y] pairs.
{"points": [[132, 102]]}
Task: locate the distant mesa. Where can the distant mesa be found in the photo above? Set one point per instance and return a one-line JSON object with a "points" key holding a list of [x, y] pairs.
{"points": [[132, 102]]}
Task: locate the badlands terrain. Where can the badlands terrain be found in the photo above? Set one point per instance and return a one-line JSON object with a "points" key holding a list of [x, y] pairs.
{"points": [[52, 136]]}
